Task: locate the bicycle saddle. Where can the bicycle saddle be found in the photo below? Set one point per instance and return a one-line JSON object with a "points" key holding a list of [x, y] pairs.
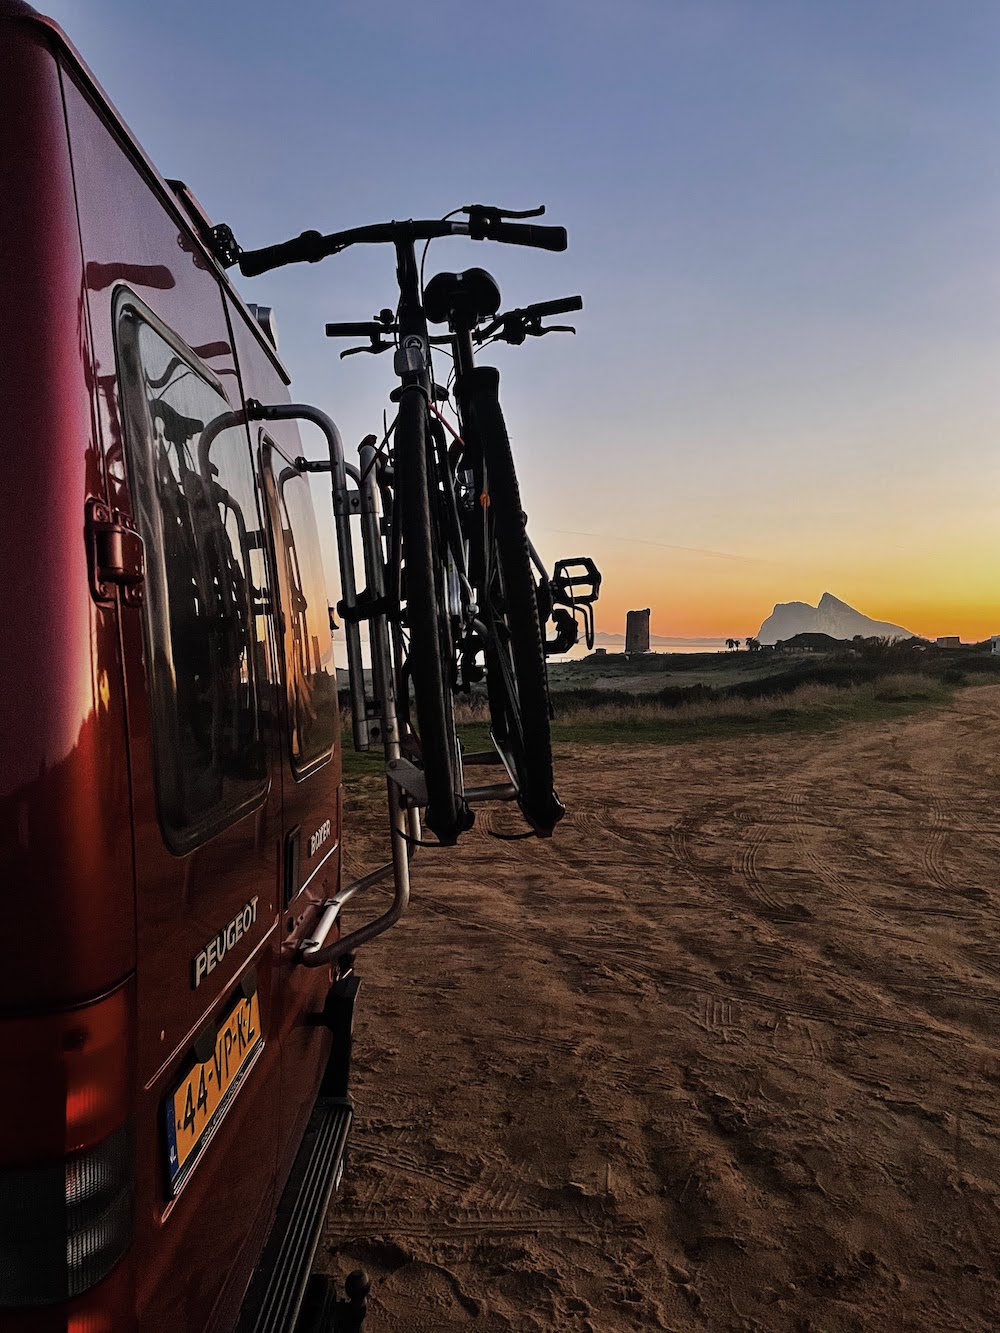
{"points": [[461, 299]]}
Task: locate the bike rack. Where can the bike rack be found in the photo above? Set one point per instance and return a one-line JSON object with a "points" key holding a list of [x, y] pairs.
{"points": [[380, 724], [404, 818]]}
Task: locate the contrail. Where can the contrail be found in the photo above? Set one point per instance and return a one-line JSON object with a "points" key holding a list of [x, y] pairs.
{"points": [[665, 546]]}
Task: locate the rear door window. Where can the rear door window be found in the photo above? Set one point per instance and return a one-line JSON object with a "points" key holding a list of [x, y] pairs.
{"points": [[311, 675], [196, 507]]}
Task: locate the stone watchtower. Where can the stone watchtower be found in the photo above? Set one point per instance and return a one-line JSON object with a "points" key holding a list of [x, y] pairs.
{"points": [[637, 631]]}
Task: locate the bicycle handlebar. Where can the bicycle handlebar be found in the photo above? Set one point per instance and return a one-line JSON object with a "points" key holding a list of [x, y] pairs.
{"points": [[519, 233], [304, 248], [525, 320], [485, 224], [357, 330], [543, 309]]}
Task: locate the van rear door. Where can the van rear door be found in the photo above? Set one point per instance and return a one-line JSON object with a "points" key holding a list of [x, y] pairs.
{"points": [[311, 764], [310, 758], [207, 819]]}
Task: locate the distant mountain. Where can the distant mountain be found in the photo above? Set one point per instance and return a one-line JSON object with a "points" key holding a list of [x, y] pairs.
{"points": [[831, 616]]}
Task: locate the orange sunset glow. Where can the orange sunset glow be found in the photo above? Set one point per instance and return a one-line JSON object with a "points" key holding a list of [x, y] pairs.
{"points": [[947, 586]]}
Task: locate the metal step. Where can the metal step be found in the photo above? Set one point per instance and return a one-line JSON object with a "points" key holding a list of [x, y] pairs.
{"points": [[487, 758], [500, 791], [276, 1291]]}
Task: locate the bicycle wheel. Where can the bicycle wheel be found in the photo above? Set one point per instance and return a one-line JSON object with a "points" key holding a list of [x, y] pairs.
{"points": [[516, 680], [431, 651]]}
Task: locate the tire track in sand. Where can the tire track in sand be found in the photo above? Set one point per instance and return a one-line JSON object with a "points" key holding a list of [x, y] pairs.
{"points": [[801, 803]]}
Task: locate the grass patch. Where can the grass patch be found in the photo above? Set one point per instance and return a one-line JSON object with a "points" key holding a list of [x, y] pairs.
{"points": [[809, 695], [644, 721], [367, 763], [646, 674], [811, 706]]}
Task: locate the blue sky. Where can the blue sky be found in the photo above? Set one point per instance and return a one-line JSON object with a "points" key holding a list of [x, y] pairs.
{"points": [[783, 218]]}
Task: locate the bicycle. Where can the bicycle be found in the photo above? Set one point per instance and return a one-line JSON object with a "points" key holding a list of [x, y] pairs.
{"points": [[496, 553], [511, 606], [434, 547]]}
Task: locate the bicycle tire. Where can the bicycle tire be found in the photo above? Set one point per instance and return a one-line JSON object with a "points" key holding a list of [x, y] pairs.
{"points": [[522, 723], [430, 651]]}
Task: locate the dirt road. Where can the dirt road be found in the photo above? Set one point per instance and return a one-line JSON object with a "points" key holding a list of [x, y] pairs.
{"points": [[723, 1055]]}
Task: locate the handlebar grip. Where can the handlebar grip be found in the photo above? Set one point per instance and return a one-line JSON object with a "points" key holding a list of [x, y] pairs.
{"points": [[354, 330], [305, 247], [545, 308], [519, 233]]}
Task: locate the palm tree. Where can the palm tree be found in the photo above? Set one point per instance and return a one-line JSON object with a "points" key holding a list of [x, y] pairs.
{"points": [[733, 645], [753, 645]]}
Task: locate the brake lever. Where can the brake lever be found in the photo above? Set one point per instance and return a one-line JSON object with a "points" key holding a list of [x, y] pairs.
{"points": [[375, 348], [504, 212], [540, 330]]}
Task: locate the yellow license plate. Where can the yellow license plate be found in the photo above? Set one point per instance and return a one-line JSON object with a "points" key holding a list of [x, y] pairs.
{"points": [[202, 1097]]}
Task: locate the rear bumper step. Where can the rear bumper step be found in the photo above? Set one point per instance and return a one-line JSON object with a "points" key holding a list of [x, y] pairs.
{"points": [[275, 1296]]}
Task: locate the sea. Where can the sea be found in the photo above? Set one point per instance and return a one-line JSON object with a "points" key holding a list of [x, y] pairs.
{"points": [[662, 646], [581, 650]]}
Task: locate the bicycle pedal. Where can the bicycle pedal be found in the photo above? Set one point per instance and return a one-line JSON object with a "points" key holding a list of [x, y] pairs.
{"points": [[576, 581]]}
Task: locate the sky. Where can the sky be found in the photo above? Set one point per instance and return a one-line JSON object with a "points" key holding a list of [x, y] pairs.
{"points": [[784, 220]]}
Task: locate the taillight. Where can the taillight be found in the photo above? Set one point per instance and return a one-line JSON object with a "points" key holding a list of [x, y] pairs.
{"points": [[67, 1078], [66, 1155], [65, 1225]]}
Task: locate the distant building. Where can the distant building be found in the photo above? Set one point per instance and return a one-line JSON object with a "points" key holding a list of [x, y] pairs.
{"points": [[808, 642], [637, 631], [995, 644], [948, 641], [600, 652]]}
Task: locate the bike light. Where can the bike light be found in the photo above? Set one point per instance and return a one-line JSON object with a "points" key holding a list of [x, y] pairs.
{"points": [[64, 1225]]}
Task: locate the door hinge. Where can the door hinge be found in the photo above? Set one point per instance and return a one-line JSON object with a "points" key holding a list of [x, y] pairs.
{"points": [[116, 556]]}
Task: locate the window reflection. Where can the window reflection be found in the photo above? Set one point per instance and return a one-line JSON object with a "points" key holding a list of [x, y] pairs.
{"points": [[195, 504], [311, 675]]}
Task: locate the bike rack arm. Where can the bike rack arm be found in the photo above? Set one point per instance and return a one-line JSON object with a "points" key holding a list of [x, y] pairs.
{"points": [[315, 952], [404, 821], [341, 517]]}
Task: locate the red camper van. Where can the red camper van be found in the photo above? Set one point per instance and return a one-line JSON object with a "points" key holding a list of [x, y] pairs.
{"points": [[174, 1108]]}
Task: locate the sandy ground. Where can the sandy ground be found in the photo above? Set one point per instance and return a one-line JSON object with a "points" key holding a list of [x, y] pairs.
{"points": [[723, 1055]]}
